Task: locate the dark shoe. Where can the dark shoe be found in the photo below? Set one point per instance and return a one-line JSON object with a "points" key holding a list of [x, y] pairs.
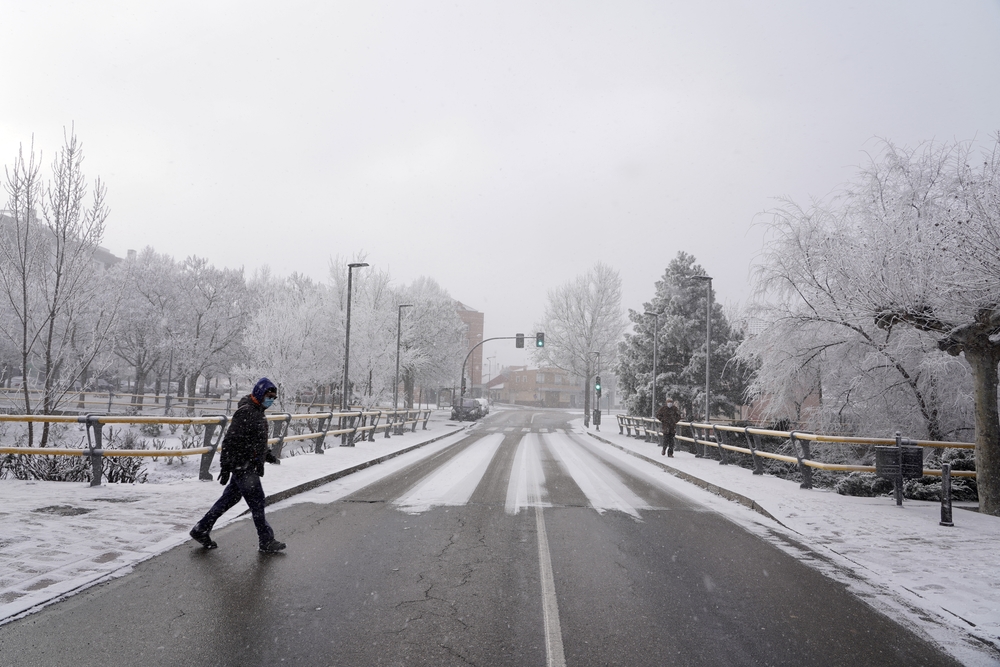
{"points": [[670, 455], [272, 547], [202, 538]]}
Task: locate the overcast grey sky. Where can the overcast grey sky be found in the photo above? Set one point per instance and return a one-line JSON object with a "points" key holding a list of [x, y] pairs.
{"points": [[501, 148]]}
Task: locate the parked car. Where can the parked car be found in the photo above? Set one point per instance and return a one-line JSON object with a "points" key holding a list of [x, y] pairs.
{"points": [[466, 409], [484, 406]]}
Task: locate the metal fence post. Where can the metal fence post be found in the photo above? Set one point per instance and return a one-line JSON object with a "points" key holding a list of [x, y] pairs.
{"points": [[754, 442], [206, 458], [427, 416], [723, 454], [416, 414], [349, 423], [279, 431], [96, 450], [324, 424], [946, 495], [897, 482], [807, 479]]}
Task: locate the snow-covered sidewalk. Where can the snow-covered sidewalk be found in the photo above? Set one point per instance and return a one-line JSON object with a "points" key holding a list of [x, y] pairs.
{"points": [[945, 580], [59, 537]]}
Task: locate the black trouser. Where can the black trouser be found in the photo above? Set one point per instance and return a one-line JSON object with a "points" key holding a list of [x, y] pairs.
{"points": [[668, 443], [245, 485]]}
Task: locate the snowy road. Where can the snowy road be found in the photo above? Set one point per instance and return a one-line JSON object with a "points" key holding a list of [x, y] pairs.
{"points": [[522, 544]]}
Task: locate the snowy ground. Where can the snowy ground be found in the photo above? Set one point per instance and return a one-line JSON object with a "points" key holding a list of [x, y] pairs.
{"points": [[57, 538]]}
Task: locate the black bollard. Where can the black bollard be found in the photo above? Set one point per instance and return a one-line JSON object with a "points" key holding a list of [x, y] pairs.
{"points": [[946, 495]]}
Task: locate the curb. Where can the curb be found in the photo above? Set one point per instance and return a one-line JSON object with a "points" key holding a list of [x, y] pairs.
{"points": [[697, 481], [326, 479]]}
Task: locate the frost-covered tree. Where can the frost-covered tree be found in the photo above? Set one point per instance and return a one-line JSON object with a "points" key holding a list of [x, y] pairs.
{"points": [[213, 308], [583, 318], [150, 308], [910, 249], [292, 337], [680, 349], [433, 340], [822, 362], [48, 274]]}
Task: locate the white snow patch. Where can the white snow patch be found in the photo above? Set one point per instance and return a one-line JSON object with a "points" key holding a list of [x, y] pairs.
{"points": [[455, 481]]}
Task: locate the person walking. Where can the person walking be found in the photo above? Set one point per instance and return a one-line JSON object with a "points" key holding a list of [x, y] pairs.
{"points": [[244, 452], [669, 415]]}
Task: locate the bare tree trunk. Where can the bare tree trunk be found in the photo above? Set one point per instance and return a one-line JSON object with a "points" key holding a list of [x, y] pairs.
{"points": [[984, 369], [192, 387], [408, 390]]}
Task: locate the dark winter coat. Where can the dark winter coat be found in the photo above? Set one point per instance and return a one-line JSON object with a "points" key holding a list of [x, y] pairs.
{"points": [[668, 415], [244, 448]]}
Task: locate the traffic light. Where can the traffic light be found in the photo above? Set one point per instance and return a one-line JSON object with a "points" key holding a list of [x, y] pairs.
{"points": [[597, 386], [539, 339], [519, 342], [463, 385]]}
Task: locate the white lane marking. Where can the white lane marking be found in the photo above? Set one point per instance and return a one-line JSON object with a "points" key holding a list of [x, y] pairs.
{"points": [[555, 656], [454, 482], [602, 486], [526, 485]]}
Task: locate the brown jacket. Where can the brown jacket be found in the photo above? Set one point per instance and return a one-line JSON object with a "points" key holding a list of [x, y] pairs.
{"points": [[668, 416]]}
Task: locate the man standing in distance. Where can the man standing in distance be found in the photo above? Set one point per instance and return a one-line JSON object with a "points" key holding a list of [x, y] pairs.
{"points": [[244, 452], [669, 415]]}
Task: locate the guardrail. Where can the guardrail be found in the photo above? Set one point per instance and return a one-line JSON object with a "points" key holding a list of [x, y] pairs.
{"points": [[350, 424], [704, 436]]}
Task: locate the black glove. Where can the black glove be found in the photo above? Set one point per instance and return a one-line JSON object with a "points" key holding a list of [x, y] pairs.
{"points": [[269, 457], [224, 477]]}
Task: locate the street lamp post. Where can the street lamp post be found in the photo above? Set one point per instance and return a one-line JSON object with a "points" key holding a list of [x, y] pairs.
{"points": [[170, 370], [347, 343], [395, 386], [708, 341], [652, 400]]}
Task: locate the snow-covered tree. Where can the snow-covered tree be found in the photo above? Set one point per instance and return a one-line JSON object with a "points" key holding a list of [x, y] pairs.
{"points": [[150, 307], [822, 362], [583, 318], [910, 250], [680, 347], [292, 337], [210, 322], [434, 338], [48, 274]]}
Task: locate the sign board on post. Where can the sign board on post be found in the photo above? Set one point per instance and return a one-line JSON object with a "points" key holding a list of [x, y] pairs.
{"points": [[891, 462], [897, 464]]}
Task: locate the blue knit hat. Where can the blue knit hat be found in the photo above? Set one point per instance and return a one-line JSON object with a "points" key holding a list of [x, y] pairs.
{"points": [[262, 387]]}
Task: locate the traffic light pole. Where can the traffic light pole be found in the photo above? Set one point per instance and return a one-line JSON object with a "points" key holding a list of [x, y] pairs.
{"points": [[539, 338]]}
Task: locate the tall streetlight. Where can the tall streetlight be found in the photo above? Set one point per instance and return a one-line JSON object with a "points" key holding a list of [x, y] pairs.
{"points": [[170, 371], [347, 333], [399, 338], [708, 340], [652, 402]]}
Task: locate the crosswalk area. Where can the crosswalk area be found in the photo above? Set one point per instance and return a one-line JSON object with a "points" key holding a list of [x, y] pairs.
{"points": [[544, 469], [521, 429]]}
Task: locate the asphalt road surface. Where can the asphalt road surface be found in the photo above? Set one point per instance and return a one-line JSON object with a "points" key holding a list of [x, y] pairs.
{"points": [[521, 545]]}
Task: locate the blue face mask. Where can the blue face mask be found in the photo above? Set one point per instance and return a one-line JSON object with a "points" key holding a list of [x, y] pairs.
{"points": [[268, 401]]}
